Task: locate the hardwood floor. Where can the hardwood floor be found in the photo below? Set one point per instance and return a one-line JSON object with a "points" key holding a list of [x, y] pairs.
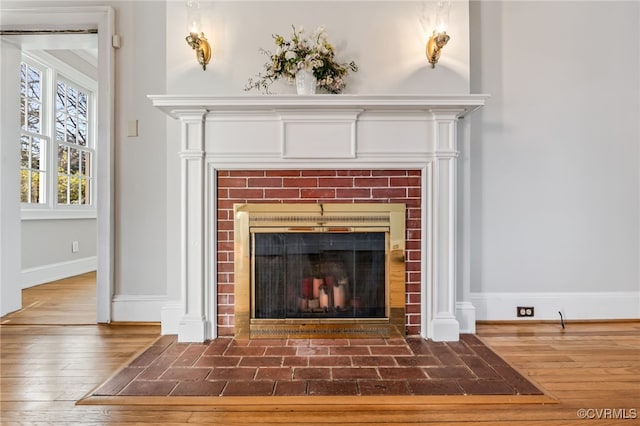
{"points": [[45, 369], [64, 302]]}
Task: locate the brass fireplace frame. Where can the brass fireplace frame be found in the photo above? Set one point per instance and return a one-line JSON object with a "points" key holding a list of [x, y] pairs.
{"points": [[329, 217]]}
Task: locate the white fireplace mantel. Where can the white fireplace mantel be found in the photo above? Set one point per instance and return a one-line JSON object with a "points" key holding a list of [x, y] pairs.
{"points": [[319, 131], [174, 105]]}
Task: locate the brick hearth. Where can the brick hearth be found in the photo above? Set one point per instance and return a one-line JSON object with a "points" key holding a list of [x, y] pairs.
{"points": [[301, 367]]}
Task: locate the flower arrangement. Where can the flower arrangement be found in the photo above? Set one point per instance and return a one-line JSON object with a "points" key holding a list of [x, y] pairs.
{"points": [[313, 54]]}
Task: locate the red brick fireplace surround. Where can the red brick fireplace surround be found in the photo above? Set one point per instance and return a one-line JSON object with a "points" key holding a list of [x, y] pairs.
{"points": [[321, 149], [317, 186]]}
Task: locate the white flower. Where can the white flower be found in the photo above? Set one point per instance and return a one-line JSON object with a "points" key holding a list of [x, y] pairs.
{"points": [[290, 55], [313, 53]]}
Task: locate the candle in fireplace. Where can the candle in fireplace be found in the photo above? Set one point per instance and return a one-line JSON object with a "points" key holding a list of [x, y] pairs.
{"points": [[307, 288], [324, 297], [317, 282], [330, 281], [339, 296]]}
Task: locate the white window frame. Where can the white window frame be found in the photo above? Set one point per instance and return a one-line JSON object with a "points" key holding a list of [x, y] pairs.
{"points": [[50, 209], [43, 134]]}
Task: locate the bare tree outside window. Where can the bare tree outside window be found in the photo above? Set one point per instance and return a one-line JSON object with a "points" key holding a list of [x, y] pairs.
{"points": [[74, 153], [55, 136], [32, 140]]}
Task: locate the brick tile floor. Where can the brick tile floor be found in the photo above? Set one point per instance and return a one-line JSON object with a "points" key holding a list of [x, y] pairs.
{"points": [[297, 367]]}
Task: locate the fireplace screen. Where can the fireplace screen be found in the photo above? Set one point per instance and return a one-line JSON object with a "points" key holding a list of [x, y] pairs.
{"points": [[318, 275], [314, 270]]}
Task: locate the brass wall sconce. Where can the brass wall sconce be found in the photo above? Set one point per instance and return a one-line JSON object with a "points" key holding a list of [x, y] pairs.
{"points": [[434, 47], [435, 17], [196, 38]]}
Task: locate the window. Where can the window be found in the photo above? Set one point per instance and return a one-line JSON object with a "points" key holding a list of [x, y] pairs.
{"points": [[33, 141], [74, 152], [57, 136]]}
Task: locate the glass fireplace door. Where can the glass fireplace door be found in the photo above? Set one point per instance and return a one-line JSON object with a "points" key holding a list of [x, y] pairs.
{"points": [[304, 275]]}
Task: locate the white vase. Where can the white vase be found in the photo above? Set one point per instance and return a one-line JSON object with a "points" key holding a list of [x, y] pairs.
{"points": [[305, 82]]}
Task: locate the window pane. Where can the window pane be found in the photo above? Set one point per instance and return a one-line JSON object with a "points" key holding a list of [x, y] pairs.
{"points": [[82, 167], [74, 161], [33, 84], [82, 132], [60, 120], [86, 191], [72, 100], [86, 164], [82, 104], [23, 113], [24, 152], [71, 130], [63, 189], [23, 79], [74, 189], [36, 146], [61, 95], [33, 117], [24, 186], [83, 191], [63, 159], [35, 187]]}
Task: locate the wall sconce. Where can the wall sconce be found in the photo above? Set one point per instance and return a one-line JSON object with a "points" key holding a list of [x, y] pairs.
{"points": [[439, 38], [196, 38]]}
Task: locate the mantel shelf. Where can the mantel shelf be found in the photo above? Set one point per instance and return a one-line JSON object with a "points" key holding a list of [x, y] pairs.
{"points": [[173, 105]]}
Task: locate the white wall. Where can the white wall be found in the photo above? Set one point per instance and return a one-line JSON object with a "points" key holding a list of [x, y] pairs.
{"points": [[384, 38], [46, 249], [555, 158], [140, 173], [10, 297]]}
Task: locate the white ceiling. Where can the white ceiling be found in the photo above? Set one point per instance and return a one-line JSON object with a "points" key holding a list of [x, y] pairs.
{"points": [[83, 45]]}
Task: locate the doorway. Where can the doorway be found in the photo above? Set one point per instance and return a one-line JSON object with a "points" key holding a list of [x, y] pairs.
{"points": [[100, 19]]}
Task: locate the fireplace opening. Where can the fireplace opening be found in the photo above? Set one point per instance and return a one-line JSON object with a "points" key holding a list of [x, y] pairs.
{"points": [[323, 274], [334, 270]]}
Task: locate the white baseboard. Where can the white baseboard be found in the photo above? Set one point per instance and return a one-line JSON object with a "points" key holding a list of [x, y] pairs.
{"points": [[56, 271], [144, 308], [170, 315], [574, 306], [466, 316]]}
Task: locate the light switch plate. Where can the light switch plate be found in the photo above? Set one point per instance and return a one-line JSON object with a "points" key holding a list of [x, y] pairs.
{"points": [[132, 128]]}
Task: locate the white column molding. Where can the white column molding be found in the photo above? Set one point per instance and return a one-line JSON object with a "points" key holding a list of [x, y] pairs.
{"points": [[442, 325], [194, 325], [465, 310]]}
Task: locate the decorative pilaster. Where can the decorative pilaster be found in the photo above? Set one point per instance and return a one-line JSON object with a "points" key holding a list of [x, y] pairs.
{"points": [[194, 325], [439, 320]]}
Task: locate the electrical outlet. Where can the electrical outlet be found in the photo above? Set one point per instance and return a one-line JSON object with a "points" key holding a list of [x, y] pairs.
{"points": [[524, 311], [75, 247]]}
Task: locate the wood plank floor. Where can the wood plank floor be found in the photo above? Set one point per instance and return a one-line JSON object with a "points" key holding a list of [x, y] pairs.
{"points": [[45, 369], [64, 302]]}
